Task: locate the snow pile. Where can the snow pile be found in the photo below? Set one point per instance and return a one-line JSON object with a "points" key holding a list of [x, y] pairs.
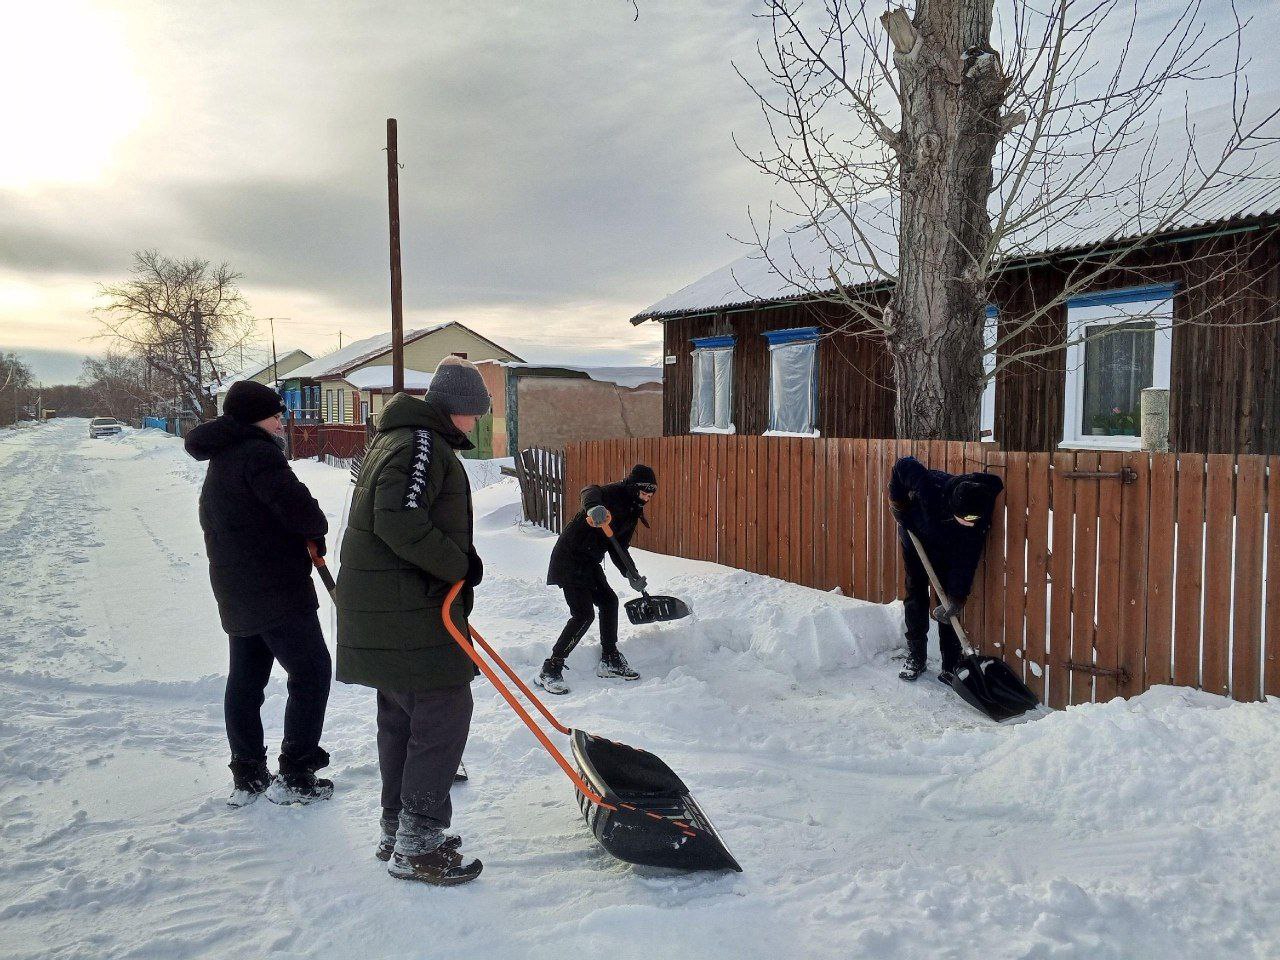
{"points": [[874, 819]]}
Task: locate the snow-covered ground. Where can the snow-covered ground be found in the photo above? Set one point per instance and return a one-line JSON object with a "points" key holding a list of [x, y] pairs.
{"points": [[873, 819]]}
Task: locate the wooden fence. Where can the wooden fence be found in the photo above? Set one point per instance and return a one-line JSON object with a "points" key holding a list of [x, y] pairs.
{"points": [[541, 476], [343, 441], [1104, 574]]}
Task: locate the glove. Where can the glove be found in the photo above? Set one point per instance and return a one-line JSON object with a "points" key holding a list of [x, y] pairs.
{"points": [[321, 548], [944, 612], [638, 583], [598, 515], [475, 568]]}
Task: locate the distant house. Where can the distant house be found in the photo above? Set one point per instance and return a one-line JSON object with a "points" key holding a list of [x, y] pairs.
{"points": [[549, 405], [273, 371], [1191, 307], [352, 384]]}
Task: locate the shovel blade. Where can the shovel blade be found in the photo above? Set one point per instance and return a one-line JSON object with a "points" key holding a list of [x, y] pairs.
{"points": [[988, 685], [655, 609]]}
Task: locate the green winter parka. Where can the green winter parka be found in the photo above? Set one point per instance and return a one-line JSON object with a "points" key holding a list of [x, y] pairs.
{"points": [[407, 541]]}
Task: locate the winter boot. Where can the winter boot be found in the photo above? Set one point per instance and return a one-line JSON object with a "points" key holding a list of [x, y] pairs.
{"points": [[444, 866], [387, 842], [551, 679], [298, 783], [614, 664], [911, 669], [251, 778]]}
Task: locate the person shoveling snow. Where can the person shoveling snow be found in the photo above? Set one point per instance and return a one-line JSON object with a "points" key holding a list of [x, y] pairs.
{"points": [[409, 537], [577, 568], [951, 514]]}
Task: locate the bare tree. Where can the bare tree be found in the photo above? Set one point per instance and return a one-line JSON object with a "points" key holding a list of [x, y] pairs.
{"points": [[181, 318], [927, 151], [15, 382], [118, 384]]}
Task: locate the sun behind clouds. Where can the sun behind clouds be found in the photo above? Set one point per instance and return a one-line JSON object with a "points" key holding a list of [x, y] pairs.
{"points": [[71, 93]]}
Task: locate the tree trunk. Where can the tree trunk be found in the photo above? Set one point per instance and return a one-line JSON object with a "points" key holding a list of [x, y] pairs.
{"points": [[951, 89]]}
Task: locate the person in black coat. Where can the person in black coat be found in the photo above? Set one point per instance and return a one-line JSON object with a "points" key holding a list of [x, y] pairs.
{"points": [[951, 514], [577, 569], [257, 518]]}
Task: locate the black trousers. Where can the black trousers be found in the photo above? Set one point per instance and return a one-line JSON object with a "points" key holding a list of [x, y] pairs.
{"points": [[421, 737], [297, 645], [583, 602], [917, 606]]}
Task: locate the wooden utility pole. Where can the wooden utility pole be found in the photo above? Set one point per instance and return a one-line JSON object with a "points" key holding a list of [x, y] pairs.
{"points": [[397, 301]]}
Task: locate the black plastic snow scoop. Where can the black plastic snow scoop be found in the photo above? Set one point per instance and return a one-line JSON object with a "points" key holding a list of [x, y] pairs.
{"points": [[645, 608], [986, 683], [638, 809]]}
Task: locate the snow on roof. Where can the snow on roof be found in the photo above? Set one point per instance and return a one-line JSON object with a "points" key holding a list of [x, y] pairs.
{"points": [[622, 376], [802, 258], [223, 384], [354, 354], [379, 378]]}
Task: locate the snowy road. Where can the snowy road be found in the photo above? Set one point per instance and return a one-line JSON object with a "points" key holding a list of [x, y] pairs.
{"points": [[873, 819]]}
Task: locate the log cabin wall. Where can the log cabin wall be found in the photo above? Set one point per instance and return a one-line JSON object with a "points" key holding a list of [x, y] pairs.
{"points": [[1225, 363]]}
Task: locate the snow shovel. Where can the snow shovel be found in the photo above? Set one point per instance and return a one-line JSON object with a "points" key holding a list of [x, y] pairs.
{"points": [[645, 608], [986, 683], [636, 806]]}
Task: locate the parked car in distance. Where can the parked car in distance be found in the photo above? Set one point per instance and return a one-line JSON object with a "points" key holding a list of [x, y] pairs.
{"points": [[104, 427]]}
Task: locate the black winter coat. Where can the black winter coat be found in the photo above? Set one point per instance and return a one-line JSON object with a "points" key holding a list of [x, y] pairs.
{"points": [[576, 558], [953, 549], [257, 517]]}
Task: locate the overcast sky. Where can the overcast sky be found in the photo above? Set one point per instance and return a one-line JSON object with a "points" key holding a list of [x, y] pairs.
{"points": [[564, 165]]}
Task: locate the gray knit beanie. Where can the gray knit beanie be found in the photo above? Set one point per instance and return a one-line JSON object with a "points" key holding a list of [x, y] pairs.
{"points": [[457, 387]]}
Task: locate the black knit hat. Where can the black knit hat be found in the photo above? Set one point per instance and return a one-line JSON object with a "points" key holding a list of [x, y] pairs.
{"points": [[249, 402], [970, 499], [639, 474]]}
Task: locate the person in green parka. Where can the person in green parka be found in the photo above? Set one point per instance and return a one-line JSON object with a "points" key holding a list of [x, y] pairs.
{"points": [[408, 540]]}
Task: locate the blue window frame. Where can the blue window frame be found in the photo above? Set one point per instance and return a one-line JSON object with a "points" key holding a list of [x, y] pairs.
{"points": [[793, 381], [711, 410]]}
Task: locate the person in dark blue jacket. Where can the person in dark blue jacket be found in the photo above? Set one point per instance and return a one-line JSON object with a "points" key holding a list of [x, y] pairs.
{"points": [[951, 514]]}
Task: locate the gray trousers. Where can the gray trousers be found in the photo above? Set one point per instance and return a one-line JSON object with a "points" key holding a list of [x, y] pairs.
{"points": [[421, 737]]}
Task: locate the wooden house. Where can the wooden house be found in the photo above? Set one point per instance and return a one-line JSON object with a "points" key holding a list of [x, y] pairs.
{"points": [[352, 384], [1191, 307]]}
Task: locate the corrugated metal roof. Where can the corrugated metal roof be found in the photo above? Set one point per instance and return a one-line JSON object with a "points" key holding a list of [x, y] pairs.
{"points": [[1247, 187]]}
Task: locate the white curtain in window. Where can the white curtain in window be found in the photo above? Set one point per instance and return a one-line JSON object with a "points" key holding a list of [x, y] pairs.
{"points": [[712, 389], [791, 387]]}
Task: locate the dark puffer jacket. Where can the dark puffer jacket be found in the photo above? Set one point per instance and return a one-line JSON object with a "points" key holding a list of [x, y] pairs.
{"points": [[407, 540], [257, 517], [577, 555], [953, 549]]}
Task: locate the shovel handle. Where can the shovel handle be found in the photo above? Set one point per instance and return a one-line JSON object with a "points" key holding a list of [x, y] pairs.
{"points": [[622, 554], [322, 568], [937, 588], [510, 697]]}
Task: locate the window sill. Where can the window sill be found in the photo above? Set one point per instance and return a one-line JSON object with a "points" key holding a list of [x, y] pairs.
{"points": [[1102, 443], [721, 431], [786, 433]]}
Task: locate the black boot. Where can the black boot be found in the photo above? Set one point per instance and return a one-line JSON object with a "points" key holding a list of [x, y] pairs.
{"points": [[551, 679], [912, 669], [387, 841], [298, 783], [614, 664], [251, 778]]}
